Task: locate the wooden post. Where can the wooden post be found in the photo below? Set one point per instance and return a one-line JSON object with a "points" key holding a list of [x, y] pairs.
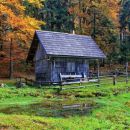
{"points": [[11, 62], [126, 72], [20, 80], [61, 82], [26, 82], [114, 80], [80, 82], [98, 71], [61, 87]]}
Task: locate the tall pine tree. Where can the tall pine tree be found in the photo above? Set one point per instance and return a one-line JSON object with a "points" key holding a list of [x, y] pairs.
{"points": [[125, 30], [96, 18], [57, 17]]}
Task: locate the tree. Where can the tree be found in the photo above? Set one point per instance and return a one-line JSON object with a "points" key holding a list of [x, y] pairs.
{"points": [[56, 15], [99, 19], [16, 30], [34, 10], [125, 30]]}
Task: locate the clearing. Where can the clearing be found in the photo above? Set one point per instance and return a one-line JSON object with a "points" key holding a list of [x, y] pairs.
{"points": [[91, 108]]}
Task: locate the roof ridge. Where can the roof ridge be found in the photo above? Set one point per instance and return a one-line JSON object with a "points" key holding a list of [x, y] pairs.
{"points": [[64, 33]]}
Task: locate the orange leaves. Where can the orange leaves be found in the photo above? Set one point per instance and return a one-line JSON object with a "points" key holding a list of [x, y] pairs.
{"points": [[108, 7], [16, 19], [19, 27], [14, 4], [113, 9], [71, 10]]}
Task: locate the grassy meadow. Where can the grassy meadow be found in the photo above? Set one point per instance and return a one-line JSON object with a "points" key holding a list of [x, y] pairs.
{"points": [[104, 107]]}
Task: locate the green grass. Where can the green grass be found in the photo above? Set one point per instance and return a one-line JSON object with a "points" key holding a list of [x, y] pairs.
{"points": [[39, 108], [8, 102], [114, 115]]}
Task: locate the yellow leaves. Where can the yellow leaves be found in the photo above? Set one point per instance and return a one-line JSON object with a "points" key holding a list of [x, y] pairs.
{"points": [[5, 10], [14, 5], [19, 7], [37, 3], [34, 23], [114, 10], [113, 15], [109, 7], [21, 27]]}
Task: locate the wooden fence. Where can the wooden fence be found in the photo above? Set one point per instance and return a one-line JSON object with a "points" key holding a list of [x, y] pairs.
{"points": [[101, 80], [95, 81]]}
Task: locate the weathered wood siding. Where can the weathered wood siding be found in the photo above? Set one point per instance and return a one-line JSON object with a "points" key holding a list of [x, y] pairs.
{"points": [[68, 66], [48, 70], [42, 66]]}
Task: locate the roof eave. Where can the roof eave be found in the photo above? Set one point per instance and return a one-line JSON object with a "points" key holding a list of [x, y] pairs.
{"points": [[69, 56]]}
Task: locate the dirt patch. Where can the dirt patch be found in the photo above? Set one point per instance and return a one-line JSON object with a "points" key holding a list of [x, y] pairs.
{"points": [[40, 122], [127, 104], [99, 94]]}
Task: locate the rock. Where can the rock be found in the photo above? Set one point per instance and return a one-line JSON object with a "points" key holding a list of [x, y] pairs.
{"points": [[20, 84], [2, 85]]}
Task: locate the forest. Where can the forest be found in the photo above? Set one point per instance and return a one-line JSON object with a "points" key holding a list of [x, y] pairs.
{"points": [[93, 94], [107, 21]]}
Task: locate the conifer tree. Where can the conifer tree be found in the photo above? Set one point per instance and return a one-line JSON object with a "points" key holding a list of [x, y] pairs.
{"points": [[125, 30], [57, 17]]}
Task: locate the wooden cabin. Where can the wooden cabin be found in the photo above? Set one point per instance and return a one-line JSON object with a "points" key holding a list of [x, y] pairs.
{"points": [[61, 55]]}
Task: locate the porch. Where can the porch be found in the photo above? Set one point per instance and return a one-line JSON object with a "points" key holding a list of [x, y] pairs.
{"points": [[71, 70]]}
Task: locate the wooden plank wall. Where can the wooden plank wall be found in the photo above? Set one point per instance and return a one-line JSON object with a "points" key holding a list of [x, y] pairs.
{"points": [[42, 66], [60, 65], [48, 70]]}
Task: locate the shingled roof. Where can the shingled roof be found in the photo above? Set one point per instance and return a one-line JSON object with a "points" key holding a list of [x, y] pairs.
{"points": [[65, 44]]}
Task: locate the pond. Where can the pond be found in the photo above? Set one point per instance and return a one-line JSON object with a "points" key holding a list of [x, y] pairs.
{"points": [[52, 109]]}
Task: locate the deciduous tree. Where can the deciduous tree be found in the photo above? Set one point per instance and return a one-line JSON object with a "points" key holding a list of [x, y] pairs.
{"points": [[98, 18], [16, 29]]}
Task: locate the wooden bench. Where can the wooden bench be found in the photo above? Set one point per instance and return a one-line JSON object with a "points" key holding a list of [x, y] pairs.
{"points": [[70, 79]]}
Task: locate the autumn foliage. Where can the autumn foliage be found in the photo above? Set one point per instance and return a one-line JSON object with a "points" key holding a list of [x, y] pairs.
{"points": [[14, 23], [20, 18], [16, 27], [98, 18]]}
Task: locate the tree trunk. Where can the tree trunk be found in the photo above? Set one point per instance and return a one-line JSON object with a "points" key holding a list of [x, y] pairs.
{"points": [[80, 21], [94, 23], [11, 62]]}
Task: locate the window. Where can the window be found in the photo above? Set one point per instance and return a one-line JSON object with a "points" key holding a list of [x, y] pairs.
{"points": [[70, 67]]}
